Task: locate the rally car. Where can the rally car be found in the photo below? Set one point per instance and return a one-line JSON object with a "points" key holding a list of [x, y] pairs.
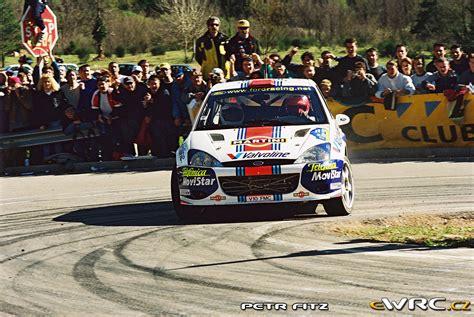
{"points": [[264, 141]]}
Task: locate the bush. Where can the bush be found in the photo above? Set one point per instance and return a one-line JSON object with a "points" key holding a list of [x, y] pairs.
{"points": [[108, 54], [120, 51], [83, 54], [70, 49], [387, 48], [158, 50], [133, 49]]}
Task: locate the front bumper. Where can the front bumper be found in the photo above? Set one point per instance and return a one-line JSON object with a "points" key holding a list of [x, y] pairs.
{"points": [[265, 184]]}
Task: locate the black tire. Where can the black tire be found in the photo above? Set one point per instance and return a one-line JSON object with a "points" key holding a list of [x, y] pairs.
{"points": [[342, 206], [185, 213]]}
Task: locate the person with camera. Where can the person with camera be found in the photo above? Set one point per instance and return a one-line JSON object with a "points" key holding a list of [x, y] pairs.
{"points": [[194, 95], [358, 85], [216, 76], [18, 105], [241, 45]]}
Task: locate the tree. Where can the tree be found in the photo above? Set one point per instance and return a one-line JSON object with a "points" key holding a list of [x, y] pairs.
{"points": [[9, 30], [186, 21], [99, 33], [270, 16]]}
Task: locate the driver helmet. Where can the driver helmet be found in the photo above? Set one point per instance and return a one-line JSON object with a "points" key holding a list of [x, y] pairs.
{"points": [[232, 114], [297, 105]]}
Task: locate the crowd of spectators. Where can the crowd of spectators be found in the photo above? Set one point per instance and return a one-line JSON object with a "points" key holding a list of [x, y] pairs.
{"points": [[153, 108]]}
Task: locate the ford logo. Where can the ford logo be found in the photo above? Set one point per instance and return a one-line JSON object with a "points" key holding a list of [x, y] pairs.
{"points": [[257, 163]]}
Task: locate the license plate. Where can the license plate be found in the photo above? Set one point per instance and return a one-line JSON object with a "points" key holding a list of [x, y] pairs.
{"points": [[260, 198]]}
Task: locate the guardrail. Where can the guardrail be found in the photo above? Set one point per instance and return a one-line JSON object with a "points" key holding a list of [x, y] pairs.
{"points": [[32, 138]]}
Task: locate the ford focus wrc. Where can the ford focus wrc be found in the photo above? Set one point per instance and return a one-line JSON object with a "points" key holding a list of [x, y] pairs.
{"points": [[263, 141]]}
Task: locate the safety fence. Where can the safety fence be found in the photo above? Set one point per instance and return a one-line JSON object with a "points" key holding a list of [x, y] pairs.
{"points": [[415, 122]]}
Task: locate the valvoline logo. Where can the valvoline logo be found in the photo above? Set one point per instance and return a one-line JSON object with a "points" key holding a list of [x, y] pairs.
{"points": [[234, 157]]}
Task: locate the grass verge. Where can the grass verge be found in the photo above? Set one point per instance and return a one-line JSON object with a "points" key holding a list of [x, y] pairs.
{"points": [[453, 230]]}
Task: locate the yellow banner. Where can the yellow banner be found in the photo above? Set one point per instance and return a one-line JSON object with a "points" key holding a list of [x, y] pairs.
{"points": [[417, 121]]}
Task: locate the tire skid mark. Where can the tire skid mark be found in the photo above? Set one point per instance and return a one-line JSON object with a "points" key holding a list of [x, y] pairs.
{"points": [[164, 273], [84, 274], [12, 257], [16, 310], [256, 251], [74, 208]]}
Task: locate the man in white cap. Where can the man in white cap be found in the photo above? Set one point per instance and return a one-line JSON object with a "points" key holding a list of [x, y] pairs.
{"points": [[242, 45]]}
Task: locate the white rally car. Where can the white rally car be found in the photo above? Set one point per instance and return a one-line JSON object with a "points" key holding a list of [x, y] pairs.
{"points": [[264, 141]]}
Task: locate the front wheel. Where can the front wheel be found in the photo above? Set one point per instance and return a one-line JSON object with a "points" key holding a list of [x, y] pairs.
{"points": [[185, 213], [342, 206]]}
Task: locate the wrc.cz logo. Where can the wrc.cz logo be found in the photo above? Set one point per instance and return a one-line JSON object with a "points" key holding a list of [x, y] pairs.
{"points": [[420, 303]]}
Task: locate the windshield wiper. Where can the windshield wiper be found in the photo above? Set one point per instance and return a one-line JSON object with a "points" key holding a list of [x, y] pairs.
{"points": [[264, 122]]}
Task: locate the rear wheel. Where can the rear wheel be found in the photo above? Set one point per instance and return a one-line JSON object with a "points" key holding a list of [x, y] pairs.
{"points": [[183, 212], [342, 206]]}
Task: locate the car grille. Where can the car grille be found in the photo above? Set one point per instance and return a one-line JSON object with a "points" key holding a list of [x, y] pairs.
{"points": [[247, 163], [259, 185]]}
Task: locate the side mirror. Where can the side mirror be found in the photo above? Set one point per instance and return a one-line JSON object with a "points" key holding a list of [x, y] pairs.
{"points": [[342, 119]]}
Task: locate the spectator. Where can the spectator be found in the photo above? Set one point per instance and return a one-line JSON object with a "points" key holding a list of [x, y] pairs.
{"points": [[407, 66], [348, 62], [137, 73], [394, 82], [48, 66], [147, 72], [247, 69], [169, 86], [296, 70], [210, 48], [359, 85], [216, 77], [70, 94], [23, 60], [194, 95], [62, 75], [459, 62], [47, 103], [420, 74], [374, 67], [159, 109], [131, 95], [242, 44], [444, 78], [401, 52], [309, 72], [325, 70], [105, 107], [439, 51], [325, 87], [18, 105], [467, 77], [88, 86], [116, 78]]}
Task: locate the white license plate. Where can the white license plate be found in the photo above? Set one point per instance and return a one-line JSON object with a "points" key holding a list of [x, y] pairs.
{"points": [[260, 198]]}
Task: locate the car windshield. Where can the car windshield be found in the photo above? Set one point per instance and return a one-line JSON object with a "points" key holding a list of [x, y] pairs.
{"points": [[261, 107]]}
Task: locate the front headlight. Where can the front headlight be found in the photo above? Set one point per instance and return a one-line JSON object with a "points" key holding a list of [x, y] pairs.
{"points": [[320, 152], [200, 158]]}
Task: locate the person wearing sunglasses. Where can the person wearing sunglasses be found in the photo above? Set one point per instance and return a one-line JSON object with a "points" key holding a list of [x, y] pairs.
{"points": [[210, 48], [242, 45]]}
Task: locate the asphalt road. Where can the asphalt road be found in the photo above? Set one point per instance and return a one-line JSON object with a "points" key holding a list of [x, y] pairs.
{"points": [[110, 244]]}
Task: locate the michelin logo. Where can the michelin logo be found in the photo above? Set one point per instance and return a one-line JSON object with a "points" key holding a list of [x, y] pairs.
{"points": [[322, 176]]}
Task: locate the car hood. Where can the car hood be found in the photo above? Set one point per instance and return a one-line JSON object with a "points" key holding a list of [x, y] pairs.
{"points": [[279, 142]]}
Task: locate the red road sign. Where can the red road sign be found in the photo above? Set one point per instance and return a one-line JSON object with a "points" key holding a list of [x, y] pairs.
{"points": [[30, 32]]}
